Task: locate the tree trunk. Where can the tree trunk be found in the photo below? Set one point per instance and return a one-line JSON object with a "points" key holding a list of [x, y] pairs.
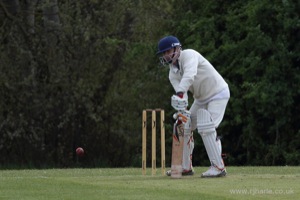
{"points": [[51, 17], [30, 7]]}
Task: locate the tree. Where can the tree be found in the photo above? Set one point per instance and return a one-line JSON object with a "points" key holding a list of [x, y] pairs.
{"points": [[253, 45]]}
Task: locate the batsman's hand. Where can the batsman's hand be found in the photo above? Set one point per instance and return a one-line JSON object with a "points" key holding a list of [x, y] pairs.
{"points": [[179, 103], [183, 116]]}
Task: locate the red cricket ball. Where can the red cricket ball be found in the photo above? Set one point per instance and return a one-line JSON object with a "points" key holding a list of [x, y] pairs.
{"points": [[79, 151]]}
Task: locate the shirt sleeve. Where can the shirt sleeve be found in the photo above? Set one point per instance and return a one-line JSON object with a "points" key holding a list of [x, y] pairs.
{"points": [[174, 79], [189, 65]]}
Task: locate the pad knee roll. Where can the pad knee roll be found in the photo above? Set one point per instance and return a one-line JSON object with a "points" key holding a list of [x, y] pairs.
{"points": [[205, 123]]}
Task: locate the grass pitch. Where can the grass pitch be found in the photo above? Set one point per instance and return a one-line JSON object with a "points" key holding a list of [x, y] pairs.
{"points": [[128, 183]]}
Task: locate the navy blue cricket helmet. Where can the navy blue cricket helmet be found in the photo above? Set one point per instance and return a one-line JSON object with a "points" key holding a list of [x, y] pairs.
{"points": [[167, 43]]}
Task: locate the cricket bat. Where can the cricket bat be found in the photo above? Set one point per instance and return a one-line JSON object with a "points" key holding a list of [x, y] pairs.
{"points": [[177, 150]]}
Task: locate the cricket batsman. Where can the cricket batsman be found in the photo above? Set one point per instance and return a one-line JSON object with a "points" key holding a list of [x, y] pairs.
{"points": [[190, 71]]}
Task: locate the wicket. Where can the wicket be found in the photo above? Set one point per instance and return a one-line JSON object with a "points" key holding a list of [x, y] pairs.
{"points": [[144, 140]]}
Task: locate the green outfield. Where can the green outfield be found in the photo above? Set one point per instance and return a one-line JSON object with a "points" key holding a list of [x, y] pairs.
{"points": [[128, 183]]}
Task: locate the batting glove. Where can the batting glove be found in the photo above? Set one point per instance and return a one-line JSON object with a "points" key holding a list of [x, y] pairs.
{"points": [[183, 116], [179, 103]]}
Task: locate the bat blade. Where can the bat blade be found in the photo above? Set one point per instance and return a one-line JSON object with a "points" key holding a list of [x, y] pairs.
{"points": [[177, 150]]}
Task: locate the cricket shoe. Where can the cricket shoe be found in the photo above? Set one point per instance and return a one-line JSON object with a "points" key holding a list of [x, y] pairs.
{"points": [[184, 173], [213, 172]]}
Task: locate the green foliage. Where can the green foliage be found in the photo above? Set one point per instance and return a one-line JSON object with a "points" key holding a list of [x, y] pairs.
{"points": [[254, 46], [85, 80], [83, 85]]}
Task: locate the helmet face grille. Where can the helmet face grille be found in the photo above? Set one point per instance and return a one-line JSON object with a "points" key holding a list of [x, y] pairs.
{"points": [[167, 43], [169, 59]]}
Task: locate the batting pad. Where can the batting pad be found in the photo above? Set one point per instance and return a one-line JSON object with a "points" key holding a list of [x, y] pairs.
{"points": [[188, 147], [204, 121], [206, 129]]}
